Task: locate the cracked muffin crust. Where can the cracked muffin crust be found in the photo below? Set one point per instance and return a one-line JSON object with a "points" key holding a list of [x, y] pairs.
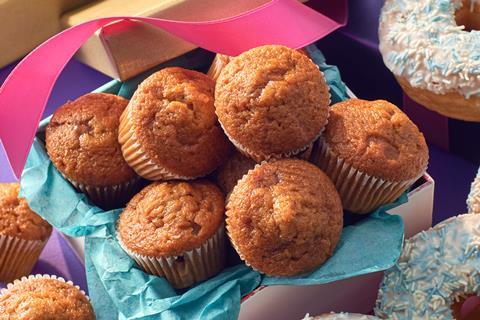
{"points": [[44, 299], [284, 217], [81, 140], [17, 219], [169, 218], [377, 138], [272, 101], [169, 129]]}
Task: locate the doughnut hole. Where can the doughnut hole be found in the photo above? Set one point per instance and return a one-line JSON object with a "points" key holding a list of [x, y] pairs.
{"points": [[467, 308], [469, 15]]}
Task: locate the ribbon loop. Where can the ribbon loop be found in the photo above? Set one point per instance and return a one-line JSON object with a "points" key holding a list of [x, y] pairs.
{"points": [[25, 92]]}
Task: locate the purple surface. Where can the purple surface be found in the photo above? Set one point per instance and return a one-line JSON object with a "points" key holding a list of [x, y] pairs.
{"points": [[75, 80], [363, 20]]}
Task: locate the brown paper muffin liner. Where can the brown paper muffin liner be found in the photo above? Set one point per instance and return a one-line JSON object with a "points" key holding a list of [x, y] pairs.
{"points": [[218, 63], [136, 157], [259, 157], [18, 256], [191, 267], [360, 192], [41, 276], [109, 197]]}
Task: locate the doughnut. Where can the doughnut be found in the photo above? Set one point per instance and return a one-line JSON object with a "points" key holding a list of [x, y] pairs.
{"points": [[340, 316], [436, 272], [432, 48], [473, 201]]}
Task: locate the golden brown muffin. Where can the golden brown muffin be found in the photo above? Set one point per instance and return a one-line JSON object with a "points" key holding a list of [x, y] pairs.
{"points": [[17, 219], [232, 171], [23, 234], [377, 138], [169, 218], [272, 101], [81, 140], [284, 217], [163, 224], [44, 298], [372, 152], [169, 129]]}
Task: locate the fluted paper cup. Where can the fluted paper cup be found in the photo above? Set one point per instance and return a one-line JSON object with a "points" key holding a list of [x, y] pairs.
{"points": [[189, 268], [360, 192], [18, 256], [41, 276], [109, 197]]}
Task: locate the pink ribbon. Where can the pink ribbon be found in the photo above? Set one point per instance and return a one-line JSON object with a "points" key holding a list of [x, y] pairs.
{"points": [[25, 92]]}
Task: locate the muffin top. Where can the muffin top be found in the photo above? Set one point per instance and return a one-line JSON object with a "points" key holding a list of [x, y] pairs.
{"points": [[82, 140], [271, 100], [44, 299], [173, 118], [377, 138], [284, 217], [16, 218], [233, 170], [221, 60], [169, 218]]}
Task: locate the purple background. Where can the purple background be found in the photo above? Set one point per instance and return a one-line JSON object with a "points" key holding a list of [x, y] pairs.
{"points": [[354, 50]]}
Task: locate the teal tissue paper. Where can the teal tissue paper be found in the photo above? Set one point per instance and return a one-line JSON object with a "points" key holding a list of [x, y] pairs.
{"points": [[120, 290]]}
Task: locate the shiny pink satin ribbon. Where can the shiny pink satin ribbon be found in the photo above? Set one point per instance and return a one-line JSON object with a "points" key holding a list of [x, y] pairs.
{"points": [[25, 92]]}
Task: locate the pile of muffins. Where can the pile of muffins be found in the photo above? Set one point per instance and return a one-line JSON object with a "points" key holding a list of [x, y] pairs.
{"points": [[253, 153], [23, 235]]}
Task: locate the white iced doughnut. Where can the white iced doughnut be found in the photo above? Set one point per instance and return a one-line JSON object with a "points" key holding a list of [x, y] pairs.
{"points": [[421, 41], [437, 268], [433, 49]]}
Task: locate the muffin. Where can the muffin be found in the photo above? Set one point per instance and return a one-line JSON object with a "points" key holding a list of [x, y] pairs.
{"points": [[284, 217], [272, 102], [81, 140], [169, 129], [372, 152], [23, 234], [175, 230], [44, 297]]}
